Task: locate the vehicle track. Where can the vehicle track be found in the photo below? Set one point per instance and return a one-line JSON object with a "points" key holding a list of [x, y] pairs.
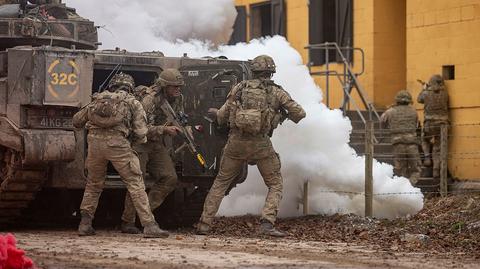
{"points": [[19, 186]]}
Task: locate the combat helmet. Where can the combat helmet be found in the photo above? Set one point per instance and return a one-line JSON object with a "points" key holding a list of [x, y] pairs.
{"points": [[263, 63], [121, 81], [403, 97], [170, 77], [436, 83]]}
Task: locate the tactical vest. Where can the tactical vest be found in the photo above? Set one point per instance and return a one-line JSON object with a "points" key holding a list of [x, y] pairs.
{"points": [[403, 124], [436, 105], [255, 108], [110, 109]]}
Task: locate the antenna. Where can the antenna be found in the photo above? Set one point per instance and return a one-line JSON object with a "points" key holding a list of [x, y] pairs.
{"points": [[115, 71]]}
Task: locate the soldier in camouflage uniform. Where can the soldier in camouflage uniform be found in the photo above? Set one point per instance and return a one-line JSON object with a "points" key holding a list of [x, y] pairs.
{"points": [[114, 120], [402, 120], [434, 96], [252, 111], [156, 154]]}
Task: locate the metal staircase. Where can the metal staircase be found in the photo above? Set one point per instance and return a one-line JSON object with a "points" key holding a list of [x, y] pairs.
{"points": [[359, 114]]}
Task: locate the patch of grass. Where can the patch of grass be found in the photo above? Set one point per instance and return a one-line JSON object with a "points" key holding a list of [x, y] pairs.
{"points": [[458, 226]]}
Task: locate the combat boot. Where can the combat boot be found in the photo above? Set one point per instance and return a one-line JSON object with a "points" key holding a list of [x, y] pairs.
{"points": [[203, 228], [266, 228], [85, 227], [129, 228], [152, 230]]}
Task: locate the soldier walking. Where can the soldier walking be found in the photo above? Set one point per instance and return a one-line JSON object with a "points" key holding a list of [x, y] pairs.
{"points": [[434, 96], [252, 111], [402, 120], [114, 120], [156, 154]]}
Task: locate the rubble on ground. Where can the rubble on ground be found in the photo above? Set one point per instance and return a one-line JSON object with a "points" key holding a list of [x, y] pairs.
{"points": [[444, 225]]}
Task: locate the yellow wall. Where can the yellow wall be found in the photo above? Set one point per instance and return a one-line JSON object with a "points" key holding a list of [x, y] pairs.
{"points": [[389, 50], [448, 33]]}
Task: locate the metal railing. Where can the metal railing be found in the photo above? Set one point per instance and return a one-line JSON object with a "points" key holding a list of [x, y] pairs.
{"points": [[348, 78]]}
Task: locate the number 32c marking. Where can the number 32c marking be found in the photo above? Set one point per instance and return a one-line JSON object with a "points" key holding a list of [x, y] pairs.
{"points": [[63, 79]]}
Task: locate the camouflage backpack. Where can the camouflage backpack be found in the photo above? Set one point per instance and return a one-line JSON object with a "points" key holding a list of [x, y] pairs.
{"points": [[253, 106], [108, 109]]}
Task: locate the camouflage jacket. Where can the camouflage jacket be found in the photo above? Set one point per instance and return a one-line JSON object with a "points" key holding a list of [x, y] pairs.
{"points": [[134, 126], [435, 104], [156, 118], [141, 91], [402, 120], [280, 104]]}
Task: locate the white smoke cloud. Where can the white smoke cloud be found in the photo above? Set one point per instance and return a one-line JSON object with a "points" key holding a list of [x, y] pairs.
{"points": [[316, 149], [143, 25]]}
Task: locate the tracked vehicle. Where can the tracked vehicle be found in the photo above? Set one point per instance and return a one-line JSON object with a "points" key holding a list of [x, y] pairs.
{"points": [[46, 76]]}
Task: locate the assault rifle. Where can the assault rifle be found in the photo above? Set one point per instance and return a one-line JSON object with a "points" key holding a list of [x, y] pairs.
{"points": [[424, 84], [180, 120]]}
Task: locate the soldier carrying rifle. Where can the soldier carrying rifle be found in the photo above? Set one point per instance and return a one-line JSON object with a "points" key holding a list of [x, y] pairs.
{"points": [[434, 96], [156, 155]]}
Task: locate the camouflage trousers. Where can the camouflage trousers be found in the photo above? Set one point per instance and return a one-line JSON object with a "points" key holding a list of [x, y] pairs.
{"points": [[407, 163], [239, 150], [431, 143], [156, 160], [117, 150]]}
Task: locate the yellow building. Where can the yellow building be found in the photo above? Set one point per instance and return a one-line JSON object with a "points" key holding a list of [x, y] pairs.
{"points": [[403, 40]]}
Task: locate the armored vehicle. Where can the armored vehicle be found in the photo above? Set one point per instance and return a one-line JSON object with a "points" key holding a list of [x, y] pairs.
{"points": [[46, 77]]}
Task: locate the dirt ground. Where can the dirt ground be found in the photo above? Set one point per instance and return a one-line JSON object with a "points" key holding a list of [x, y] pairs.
{"points": [[445, 234]]}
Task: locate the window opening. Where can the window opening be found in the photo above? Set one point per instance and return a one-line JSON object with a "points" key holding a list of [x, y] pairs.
{"points": [[448, 72], [260, 20]]}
